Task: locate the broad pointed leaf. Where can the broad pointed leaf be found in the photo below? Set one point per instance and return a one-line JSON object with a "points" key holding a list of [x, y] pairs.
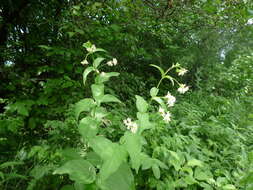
{"points": [[133, 144], [86, 72], [103, 77], [83, 105], [143, 121], [154, 91], [80, 171], [141, 104], [98, 61], [122, 179], [88, 127], [97, 91], [159, 68], [109, 98]]}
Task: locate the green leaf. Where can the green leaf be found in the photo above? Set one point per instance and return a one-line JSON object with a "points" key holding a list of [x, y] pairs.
{"points": [[109, 98], [160, 164], [143, 121], [154, 91], [147, 162], [104, 77], [100, 113], [97, 62], [97, 91], [156, 171], [80, 171], [1, 175], [22, 110], [112, 164], [159, 68], [194, 162], [86, 72], [202, 174], [133, 144], [175, 160], [190, 180], [88, 127], [141, 104], [40, 171], [122, 179], [102, 146], [100, 49], [10, 164], [111, 153], [160, 101], [174, 154], [70, 154], [229, 187], [94, 159], [170, 78], [83, 105]]}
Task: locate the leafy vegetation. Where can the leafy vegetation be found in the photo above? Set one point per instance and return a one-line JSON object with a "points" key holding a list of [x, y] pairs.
{"points": [[109, 95]]}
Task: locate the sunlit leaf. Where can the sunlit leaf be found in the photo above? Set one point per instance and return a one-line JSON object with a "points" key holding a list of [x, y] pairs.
{"points": [[86, 72], [78, 170], [97, 62], [83, 105], [159, 68], [141, 104]]}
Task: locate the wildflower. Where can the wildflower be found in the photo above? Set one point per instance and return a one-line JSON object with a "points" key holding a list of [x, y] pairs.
{"points": [[85, 62], [103, 74], [92, 49], [182, 71], [127, 121], [183, 88], [170, 99], [110, 63], [114, 61], [132, 126], [161, 110], [167, 117]]}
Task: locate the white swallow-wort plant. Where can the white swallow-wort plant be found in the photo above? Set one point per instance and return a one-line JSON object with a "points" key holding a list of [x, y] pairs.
{"points": [[105, 164]]}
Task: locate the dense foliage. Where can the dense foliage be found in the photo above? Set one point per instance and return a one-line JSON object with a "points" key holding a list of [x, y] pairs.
{"points": [[126, 94]]}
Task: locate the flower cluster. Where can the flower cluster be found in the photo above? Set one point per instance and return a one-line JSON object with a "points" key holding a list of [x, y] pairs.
{"points": [[170, 99], [132, 126], [183, 88], [113, 62], [91, 49], [166, 115]]}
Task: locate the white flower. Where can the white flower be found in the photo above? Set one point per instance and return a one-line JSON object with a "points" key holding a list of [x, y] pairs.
{"points": [[114, 61], [103, 74], [170, 99], [183, 88], [110, 63], [85, 62], [132, 126], [161, 110], [92, 49], [127, 121], [182, 71], [167, 117]]}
